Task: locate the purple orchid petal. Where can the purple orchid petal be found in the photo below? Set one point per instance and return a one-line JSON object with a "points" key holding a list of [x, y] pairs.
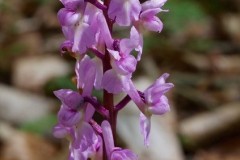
{"points": [[145, 126], [68, 117], [150, 21], [73, 5], [117, 83], [124, 11], [79, 45], [127, 45], [86, 74], [123, 154], [130, 89], [78, 155], [84, 37], [148, 14], [112, 82], [153, 93], [89, 112], [160, 107], [60, 131], [99, 73], [104, 32], [135, 42], [108, 137], [115, 54], [162, 79], [161, 89], [70, 98], [68, 32], [86, 137], [67, 18], [125, 66], [153, 4], [154, 24], [86, 143], [139, 48]]}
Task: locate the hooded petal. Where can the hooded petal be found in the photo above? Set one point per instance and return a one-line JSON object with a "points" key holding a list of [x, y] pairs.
{"points": [[68, 18], [160, 81], [154, 93], [69, 98], [150, 21], [84, 37], [124, 11], [149, 14], [154, 24]]}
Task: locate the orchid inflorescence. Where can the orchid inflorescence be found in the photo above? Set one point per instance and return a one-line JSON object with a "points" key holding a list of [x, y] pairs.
{"points": [[88, 26]]}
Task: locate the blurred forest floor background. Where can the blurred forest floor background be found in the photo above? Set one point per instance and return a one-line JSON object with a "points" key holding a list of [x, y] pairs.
{"points": [[199, 46]]}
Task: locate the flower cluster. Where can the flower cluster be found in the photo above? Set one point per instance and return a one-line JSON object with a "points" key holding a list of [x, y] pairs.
{"points": [[88, 26]]}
